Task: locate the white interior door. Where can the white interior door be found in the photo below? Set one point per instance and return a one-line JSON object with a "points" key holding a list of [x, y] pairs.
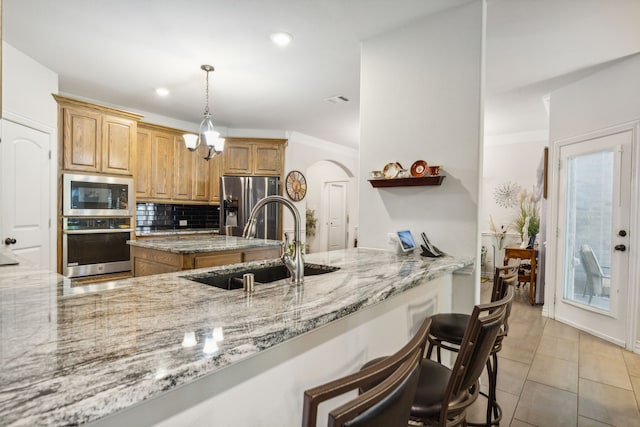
{"points": [[337, 215], [24, 192], [593, 221]]}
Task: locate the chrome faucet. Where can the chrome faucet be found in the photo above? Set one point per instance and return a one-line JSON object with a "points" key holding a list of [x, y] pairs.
{"points": [[294, 263]]}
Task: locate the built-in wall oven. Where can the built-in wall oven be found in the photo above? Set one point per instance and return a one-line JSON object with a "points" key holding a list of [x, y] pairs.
{"points": [[97, 222], [93, 246]]}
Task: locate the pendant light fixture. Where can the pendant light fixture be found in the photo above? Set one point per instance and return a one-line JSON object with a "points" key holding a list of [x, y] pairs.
{"points": [[207, 132]]}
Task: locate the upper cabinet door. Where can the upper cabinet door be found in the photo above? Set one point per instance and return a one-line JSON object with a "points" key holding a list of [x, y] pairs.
{"points": [[201, 187], [268, 159], [118, 136], [81, 139], [182, 170], [237, 158], [142, 175], [162, 165], [214, 186]]}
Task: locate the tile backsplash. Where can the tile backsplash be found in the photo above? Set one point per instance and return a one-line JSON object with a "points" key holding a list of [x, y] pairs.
{"points": [[161, 216]]}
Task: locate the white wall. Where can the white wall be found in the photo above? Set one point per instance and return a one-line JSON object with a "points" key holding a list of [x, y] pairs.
{"points": [[26, 89], [421, 98], [605, 99], [302, 152]]}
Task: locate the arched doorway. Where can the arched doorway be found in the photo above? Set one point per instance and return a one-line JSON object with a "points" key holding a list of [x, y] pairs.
{"points": [[332, 200]]}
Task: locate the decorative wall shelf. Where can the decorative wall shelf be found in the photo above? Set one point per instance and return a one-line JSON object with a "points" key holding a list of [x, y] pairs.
{"points": [[407, 182]]}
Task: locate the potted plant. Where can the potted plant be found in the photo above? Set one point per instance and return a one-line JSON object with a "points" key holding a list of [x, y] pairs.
{"points": [[310, 228], [527, 220]]}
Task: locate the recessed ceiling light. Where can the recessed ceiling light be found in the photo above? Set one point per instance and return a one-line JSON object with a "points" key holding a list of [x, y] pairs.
{"points": [[161, 91], [281, 39]]}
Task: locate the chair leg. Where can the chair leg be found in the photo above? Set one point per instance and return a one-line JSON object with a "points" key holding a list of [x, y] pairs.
{"points": [[494, 411]]}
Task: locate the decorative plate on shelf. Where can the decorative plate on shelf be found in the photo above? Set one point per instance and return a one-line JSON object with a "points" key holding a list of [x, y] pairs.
{"points": [[296, 185], [391, 170], [418, 168]]}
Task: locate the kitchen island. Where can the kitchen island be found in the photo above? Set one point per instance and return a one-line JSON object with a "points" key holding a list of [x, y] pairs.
{"points": [[165, 350], [156, 256]]}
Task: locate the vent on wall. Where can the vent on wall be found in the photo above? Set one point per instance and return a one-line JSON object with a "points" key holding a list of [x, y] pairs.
{"points": [[338, 99]]}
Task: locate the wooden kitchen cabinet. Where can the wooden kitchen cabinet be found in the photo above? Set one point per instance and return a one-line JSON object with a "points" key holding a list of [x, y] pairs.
{"points": [[142, 170], [148, 261], [162, 152], [268, 159], [214, 187], [95, 138], [174, 174], [201, 182], [118, 142], [238, 158], [183, 169], [253, 156]]}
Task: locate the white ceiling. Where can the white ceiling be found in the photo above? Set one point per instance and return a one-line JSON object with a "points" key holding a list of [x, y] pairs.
{"points": [[119, 51]]}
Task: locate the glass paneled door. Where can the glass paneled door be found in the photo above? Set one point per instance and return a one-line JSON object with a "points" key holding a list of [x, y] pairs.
{"points": [[593, 221]]}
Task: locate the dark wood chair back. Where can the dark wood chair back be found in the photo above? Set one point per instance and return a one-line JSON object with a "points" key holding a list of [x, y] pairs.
{"points": [[508, 271], [387, 403], [503, 284]]}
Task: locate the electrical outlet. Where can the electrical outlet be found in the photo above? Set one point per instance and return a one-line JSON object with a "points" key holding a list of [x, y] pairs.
{"points": [[183, 223]]}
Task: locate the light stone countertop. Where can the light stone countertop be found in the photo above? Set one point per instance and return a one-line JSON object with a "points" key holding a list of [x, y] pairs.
{"points": [[198, 244], [71, 354]]}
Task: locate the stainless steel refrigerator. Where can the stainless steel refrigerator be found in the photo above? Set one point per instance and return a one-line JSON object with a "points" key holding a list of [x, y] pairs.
{"points": [[238, 195]]}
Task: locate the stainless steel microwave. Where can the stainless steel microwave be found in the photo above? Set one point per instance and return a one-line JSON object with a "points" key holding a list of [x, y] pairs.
{"points": [[97, 195]]}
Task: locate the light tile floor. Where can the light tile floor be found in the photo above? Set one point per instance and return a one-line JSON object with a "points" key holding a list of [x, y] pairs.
{"points": [[550, 374]]}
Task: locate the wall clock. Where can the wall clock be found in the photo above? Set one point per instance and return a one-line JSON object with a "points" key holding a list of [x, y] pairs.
{"points": [[296, 186]]}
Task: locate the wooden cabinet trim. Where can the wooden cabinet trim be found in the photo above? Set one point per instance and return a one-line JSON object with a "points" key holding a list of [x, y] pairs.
{"points": [[63, 100]]}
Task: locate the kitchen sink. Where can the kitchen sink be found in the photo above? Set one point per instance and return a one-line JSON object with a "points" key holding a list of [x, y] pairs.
{"points": [[233, 280]]}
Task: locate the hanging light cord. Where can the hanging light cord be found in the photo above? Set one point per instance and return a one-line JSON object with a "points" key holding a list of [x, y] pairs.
{"points": [[206, 96]]}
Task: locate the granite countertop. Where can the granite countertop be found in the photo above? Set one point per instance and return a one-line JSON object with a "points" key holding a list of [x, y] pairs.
{"points": [[73, 357], [176, 232], [199, 244]]}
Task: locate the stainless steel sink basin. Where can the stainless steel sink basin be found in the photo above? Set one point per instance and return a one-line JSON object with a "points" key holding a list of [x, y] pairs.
{"points": [[233, 280]]}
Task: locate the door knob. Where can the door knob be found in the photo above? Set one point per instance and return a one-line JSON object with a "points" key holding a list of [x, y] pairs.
{"points": [[9, 241], [620, 248], [622, 233]]}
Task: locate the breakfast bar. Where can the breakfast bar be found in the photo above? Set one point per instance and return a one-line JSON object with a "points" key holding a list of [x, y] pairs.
{"points": [[166, 350]]}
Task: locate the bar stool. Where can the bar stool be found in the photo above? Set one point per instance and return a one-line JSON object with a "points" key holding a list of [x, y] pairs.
{"points": [[391, 386], [447, 331], [444, 394]]}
